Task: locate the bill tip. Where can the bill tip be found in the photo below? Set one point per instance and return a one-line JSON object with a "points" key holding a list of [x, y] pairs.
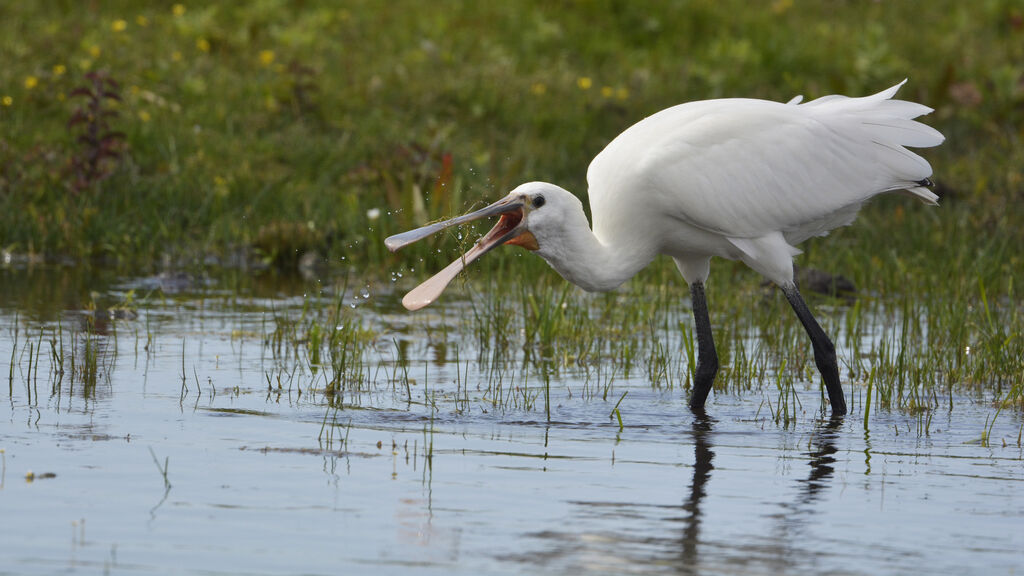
{"points": [[413, 303]]}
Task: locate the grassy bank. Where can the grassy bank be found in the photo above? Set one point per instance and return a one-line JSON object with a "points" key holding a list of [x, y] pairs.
{"points": [[288, 125]]}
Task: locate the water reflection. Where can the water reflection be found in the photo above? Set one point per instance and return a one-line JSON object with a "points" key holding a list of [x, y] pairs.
{"points": [[702, 467], [794, 540], [783, 547], [44, 293], [822, 457], [687, 537]]}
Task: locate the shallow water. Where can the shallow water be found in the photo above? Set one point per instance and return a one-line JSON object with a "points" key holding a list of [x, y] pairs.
{"points": [[441, 477]]}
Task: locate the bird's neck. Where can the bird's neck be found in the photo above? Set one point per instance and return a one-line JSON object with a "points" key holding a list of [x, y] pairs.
{"points": [[590, 262]]}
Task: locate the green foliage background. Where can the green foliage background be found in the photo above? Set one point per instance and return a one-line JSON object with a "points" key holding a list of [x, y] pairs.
{"points": [[280, 124]]}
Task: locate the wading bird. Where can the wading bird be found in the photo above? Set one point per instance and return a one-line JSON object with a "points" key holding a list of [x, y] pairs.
{"points": [[741, 179]]}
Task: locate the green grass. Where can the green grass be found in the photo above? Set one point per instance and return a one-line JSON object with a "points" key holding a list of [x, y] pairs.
{"points": [[279, 125], [275, 128]]}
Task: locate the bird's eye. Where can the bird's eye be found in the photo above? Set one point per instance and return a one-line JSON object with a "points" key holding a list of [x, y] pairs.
{"points": [[538, 201]]}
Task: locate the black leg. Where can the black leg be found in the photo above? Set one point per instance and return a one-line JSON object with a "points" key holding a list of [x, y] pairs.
{"points": [[824, 350], [707, 357]]}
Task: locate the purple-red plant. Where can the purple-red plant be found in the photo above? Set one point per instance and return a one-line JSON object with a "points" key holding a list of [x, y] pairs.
{"points": [[100, 147]]}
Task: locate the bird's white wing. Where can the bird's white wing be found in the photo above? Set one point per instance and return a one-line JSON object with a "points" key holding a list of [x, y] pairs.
{"points": [[746, 168]]}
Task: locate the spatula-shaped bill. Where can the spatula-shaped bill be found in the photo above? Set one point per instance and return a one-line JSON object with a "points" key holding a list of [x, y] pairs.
{"points": [[508, 227]]}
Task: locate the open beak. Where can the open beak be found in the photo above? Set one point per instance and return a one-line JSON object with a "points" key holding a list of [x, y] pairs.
{"points": [[508, 228]]}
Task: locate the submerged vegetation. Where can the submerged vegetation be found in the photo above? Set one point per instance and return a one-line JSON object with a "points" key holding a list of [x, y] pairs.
{"points": [[303, 133], [543, 348]]}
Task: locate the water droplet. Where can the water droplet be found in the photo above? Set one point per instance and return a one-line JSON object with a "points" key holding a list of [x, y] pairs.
{"points": [[365, 293]]}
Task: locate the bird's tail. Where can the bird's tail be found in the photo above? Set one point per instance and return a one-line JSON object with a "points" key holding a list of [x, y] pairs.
{"points": [[922, 192], [890, 126]]}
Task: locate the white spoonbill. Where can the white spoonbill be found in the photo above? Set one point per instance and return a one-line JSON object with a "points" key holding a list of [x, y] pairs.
{"points": [[736, 178]]}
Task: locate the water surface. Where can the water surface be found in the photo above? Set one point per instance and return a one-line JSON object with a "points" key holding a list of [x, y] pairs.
{"points": [[266, 474]]}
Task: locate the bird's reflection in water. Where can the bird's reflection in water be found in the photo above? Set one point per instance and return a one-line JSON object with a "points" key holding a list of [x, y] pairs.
{"points": [[773, 552], [822, 457], [702, 467], [793, 539], [687, 537]]}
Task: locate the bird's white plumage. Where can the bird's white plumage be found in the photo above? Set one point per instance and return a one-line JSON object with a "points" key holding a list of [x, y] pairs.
{"points": [[728, 177], [738, 178]]}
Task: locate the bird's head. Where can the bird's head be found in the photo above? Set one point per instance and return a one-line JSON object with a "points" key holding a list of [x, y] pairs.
{"points": [[525, 217]]}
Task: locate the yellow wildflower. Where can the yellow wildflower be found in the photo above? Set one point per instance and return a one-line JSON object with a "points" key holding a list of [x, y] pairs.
{"points": [[178, 9], [119, 25], [538, 89], [266, 57], [7, 101], [31, 82], [144, 116], [203, 44], [59, 70], [142, 20], [220, 186], [607, 91], [584, 83], [176, 56], [95, 51], [622, 93]]}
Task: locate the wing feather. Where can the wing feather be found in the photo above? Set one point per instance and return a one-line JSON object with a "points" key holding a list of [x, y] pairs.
{"points": [[746, 168]]}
